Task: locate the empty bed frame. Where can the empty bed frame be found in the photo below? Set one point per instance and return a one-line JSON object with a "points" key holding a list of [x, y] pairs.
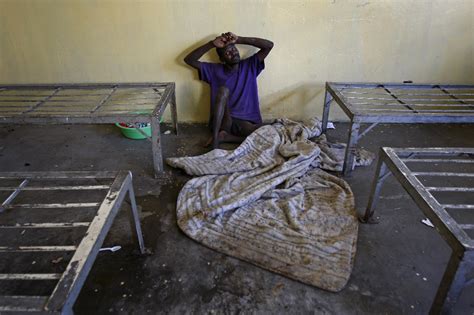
{"points": [[374, 103], [52, 226], [104, 103], [441, 182]]}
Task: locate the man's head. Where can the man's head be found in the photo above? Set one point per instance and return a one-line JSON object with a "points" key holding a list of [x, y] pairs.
{"points": [[229, 54]]}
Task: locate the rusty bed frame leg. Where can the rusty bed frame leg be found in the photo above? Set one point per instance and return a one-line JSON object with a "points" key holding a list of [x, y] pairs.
{"points": [[327, 107], [174, 113], [350, 149], [381, 174], [135, 225], [455, 278], [156, 145], [460, 268]]}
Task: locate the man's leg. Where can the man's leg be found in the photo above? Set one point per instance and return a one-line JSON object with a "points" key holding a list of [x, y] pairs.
{"points": [[221, 118], [223, 124], [247, 127]]}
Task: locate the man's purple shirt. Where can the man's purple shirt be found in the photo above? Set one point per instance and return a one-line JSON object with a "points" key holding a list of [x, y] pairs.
{"points": [[242, 84]]}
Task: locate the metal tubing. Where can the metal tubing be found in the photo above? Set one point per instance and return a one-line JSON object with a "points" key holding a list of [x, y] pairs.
{"points": [[42, 101], [53, 205], [104, 100], [90, 187], [327, 107], [457, 206], [47, 225], [30, 276], [156, 145], [143, 134], [351, 146], [59, 175], [458, 189], [135, 225], [86, 86], [443, 174], [403, 86], [438, 161], [21, 249], [22, 303], [12, 196], [452, 283], [174, 113], [372, 126], [70, 284], [380, 175]]}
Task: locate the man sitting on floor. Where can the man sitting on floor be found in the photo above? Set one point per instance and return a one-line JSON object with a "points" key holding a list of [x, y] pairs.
{"points": [[235, 111]]}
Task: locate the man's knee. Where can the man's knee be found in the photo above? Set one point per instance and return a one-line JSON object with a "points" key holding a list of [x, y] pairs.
{"points": [[223, 93]]}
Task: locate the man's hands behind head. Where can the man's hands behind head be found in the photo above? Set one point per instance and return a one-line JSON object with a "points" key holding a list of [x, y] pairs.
{"points": [[231, 37], [225, 39]]}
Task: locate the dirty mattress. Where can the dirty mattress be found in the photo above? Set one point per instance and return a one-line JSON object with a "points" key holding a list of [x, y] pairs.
{"points": [[269, 202]]}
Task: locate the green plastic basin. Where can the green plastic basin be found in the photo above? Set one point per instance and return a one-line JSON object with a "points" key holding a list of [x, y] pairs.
{"points": [[133, 133]]}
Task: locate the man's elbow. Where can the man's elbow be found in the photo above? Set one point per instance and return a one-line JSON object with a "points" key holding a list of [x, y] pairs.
{"points": [[192, 63], [269, 45], [187, 61]]}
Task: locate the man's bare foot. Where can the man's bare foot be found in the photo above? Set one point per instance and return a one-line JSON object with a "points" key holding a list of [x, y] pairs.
{"points": [[220, 137]]}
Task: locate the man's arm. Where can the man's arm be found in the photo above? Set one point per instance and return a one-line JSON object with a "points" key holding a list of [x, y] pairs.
{"points": [[193, 57], [264, 44]]}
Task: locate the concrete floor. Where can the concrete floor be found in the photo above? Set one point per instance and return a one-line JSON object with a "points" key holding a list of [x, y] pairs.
{"points": [[398, 265]]}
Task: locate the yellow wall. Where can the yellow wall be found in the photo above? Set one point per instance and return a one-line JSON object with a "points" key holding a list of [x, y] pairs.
{"points": [[315, 41]]}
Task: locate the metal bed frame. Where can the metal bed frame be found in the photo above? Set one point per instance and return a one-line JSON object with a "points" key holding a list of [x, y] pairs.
{"points": [[104, 103], [374, 103], [400, 163], [72, 279]]}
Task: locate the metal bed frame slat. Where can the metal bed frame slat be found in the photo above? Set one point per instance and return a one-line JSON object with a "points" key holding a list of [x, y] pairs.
{"points": [[30, 276], [53, 205], [45, 225], [89, 187], [19, 249], [18, 303]]}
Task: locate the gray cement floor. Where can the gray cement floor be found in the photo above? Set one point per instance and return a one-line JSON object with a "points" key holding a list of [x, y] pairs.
{"points": [[398, 265]]}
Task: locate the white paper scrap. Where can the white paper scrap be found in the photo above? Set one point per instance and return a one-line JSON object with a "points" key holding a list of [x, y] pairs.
{"points": [[427, 222]]}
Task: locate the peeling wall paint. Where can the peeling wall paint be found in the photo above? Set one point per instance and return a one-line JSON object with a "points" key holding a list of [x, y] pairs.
{"points": [[315, 41]]}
